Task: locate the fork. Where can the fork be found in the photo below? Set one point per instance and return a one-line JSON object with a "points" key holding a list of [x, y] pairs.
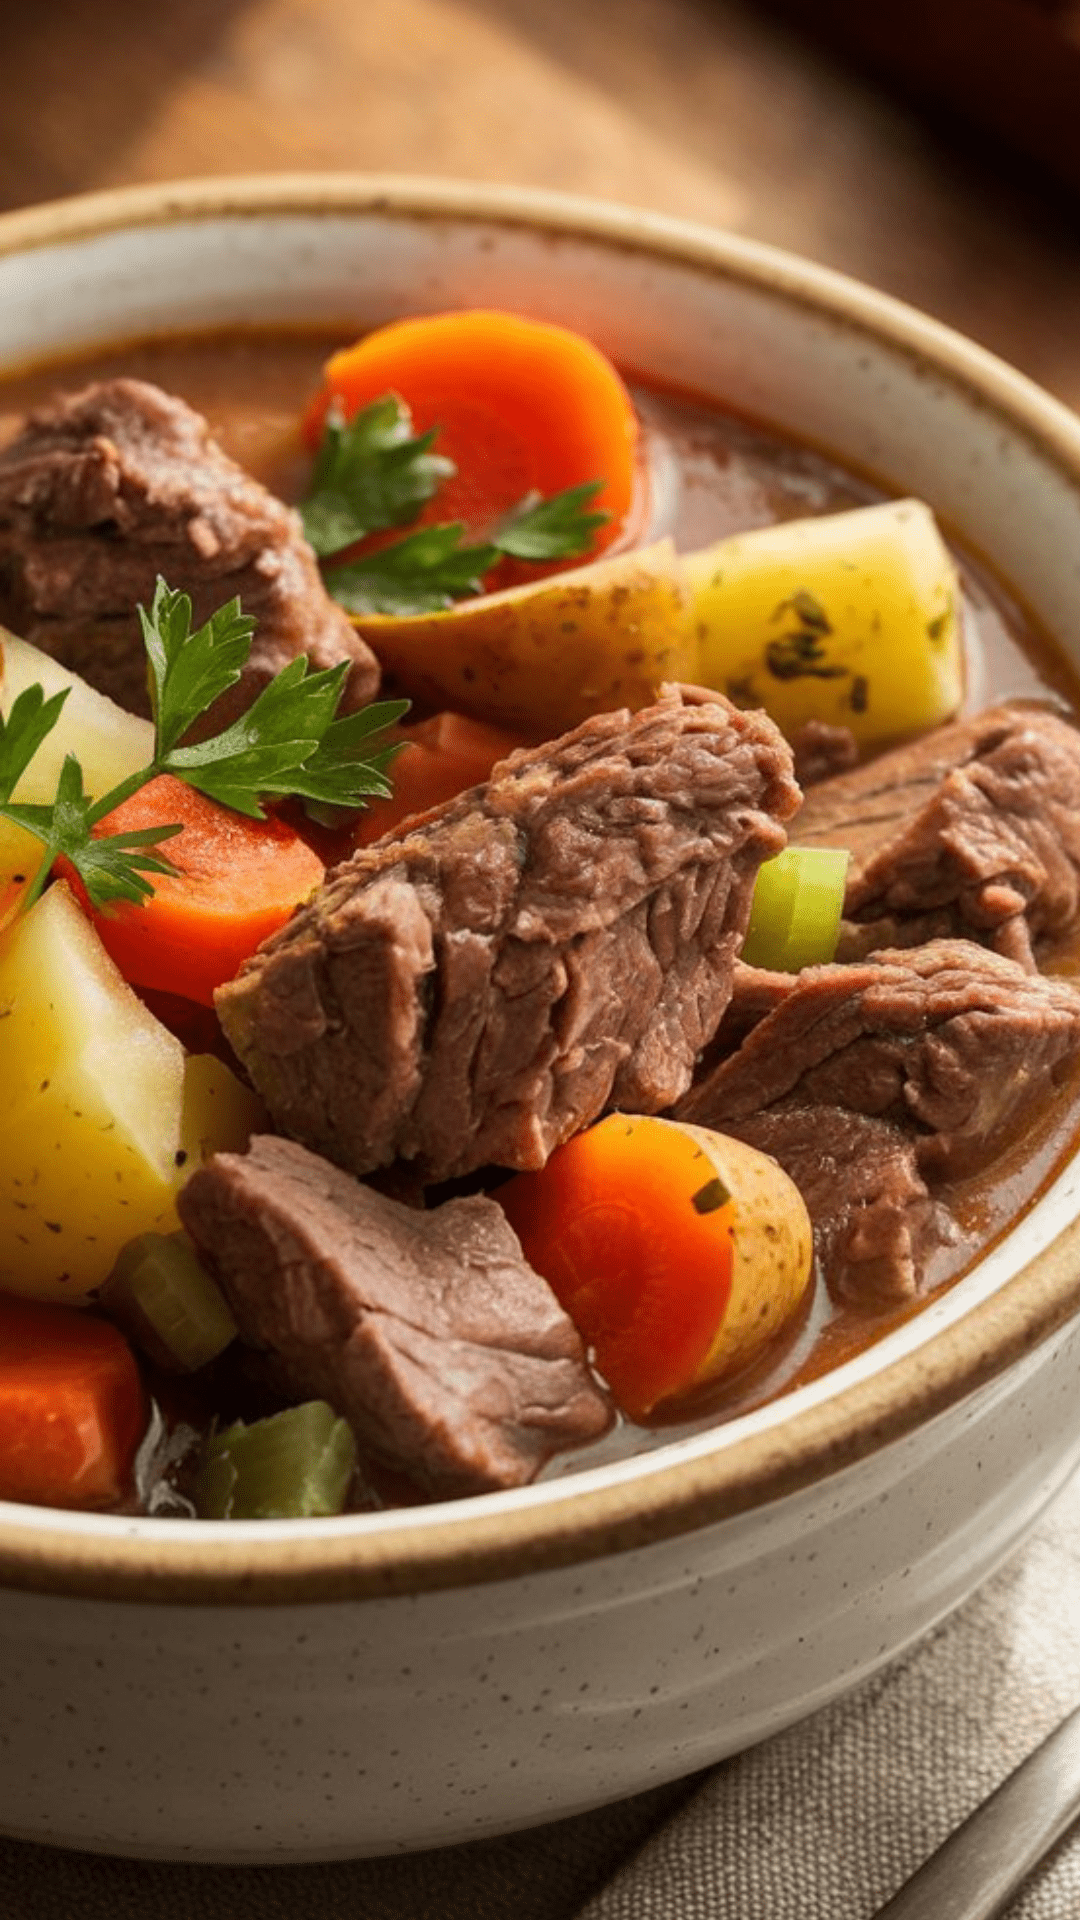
{"points": [[977, 1869]]}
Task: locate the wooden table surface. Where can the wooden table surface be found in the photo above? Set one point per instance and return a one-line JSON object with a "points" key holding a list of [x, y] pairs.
{"points": [[700, 108]]}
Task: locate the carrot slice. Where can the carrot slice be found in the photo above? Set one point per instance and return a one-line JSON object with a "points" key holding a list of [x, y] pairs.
{"points": [[239, 881], [444, 756], [677, 1253], [471, 741], [519, 404], [72, 1407]]}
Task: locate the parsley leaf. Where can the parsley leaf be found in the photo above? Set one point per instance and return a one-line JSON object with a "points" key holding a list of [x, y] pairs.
{"points": [[114, 866], [31, 720], [289, 741], [325, 778], [370, 472], [428, 570], [189, 670], [423, 573], [271, 748], [111, 867], [552, 529]]}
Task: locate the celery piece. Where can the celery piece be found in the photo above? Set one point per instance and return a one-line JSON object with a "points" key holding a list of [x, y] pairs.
{"points": [[164, 1298], [291, 1465], [796, 909]]}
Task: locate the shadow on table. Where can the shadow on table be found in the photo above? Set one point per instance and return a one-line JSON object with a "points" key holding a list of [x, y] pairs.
{"points": [[80, 77], [547, 1873]]}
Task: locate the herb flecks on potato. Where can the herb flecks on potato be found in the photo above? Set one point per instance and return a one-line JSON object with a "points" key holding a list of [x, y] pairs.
{"points": [[852, 618]]}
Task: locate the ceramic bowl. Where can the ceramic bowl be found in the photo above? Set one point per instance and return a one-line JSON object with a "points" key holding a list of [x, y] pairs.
{"points": [[304, 1690]]}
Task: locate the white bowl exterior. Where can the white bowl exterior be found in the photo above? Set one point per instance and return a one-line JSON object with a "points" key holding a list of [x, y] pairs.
{"points": [[315, 1731], [237, 1732]]}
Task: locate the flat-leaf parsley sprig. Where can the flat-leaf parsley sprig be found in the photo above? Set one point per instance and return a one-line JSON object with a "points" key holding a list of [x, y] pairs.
{"points": [[372, 473], [289, 742]]}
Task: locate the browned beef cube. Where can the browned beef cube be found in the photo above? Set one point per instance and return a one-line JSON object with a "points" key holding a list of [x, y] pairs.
{"points": [[876, 1225], [104, 490], [972, 831], [474, 991], [948, 1038], [450, 1358], [822, 751], [948, 1045]]}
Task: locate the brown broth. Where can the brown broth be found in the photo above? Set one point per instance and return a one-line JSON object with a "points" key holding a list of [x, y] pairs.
{"points": [[718, 474]]}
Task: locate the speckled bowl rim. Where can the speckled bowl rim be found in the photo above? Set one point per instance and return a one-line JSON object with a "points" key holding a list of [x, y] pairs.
{"points": [[598, 1512]]}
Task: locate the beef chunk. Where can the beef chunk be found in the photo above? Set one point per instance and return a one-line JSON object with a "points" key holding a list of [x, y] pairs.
{"points": [[755, 992], [104, 490], [450, 1358], [948, 1038], [946, 1046], [972, 831], [475, 990], [876, 1225], [821, 751]]}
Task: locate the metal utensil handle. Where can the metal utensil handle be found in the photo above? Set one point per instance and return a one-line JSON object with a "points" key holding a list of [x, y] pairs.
{"points": [[979, 1866]]}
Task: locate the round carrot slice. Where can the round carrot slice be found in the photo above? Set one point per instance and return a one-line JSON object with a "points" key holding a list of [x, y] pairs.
{"points": [[519, 405]]}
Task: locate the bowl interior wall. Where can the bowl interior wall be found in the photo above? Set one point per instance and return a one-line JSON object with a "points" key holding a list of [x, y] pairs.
{"points": [[850, 376]]}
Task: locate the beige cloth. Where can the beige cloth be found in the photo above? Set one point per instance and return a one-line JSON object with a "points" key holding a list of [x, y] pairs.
{"points": [[820, 1823], [824, 1822]]}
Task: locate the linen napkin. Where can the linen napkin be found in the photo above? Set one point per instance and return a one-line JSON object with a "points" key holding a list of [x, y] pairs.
{"points": [[825, 1821], [822, 1822]]}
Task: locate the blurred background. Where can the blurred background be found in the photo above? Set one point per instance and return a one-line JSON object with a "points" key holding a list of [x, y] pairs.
{"points": [[931, 148]]}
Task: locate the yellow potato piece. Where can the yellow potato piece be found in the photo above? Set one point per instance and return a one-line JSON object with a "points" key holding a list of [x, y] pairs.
{"points": [[772, 1250], [103, 1118], [108, 742], [219, 1114], [851, 618], [540, 658], [92, 1096]]}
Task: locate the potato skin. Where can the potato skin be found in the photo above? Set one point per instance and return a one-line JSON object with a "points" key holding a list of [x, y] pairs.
{"points": [[852, 618], [540, 658], [773, 1249]]}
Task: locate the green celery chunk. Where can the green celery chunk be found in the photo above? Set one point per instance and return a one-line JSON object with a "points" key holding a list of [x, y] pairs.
{"points": [[292, 1465], [796, 909], [165, 1299]]}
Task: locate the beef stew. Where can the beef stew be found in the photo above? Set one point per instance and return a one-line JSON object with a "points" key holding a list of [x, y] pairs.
{"points": [[902, 1196]]}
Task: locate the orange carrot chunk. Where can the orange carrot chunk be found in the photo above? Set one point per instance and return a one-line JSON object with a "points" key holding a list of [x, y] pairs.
{"points": [[519, 405], [238, 881], [444, 756], [676, 1252], [72, 1407]]}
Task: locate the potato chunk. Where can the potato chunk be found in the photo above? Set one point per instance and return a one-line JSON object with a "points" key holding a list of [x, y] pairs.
{"points": [[108, 742], [541, 657], [220, 1113], [851, 618], [93, 1096], [773, 1251]]}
